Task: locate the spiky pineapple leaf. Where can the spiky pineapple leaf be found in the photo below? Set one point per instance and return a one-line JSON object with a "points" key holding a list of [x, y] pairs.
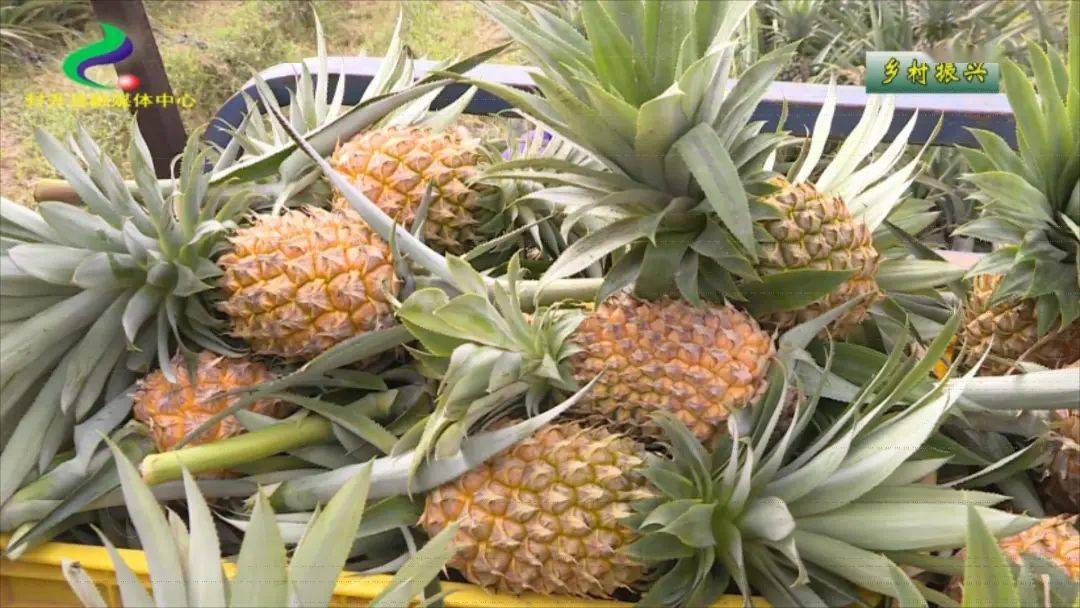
{"points": [[320, 556], [81, 584], [391, 474], [791, 290], [988, 576], [418, 572], [709, 161], [261, 572], [162, 556]]}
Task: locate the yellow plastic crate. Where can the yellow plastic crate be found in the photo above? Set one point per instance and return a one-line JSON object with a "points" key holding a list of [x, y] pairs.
{"points": [[35, 581]]}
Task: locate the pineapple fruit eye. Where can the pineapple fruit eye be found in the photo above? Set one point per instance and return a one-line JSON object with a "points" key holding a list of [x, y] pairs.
{"points": [[544, 515], [299, 283]]}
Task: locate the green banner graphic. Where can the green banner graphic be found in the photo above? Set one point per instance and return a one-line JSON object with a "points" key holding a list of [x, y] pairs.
{"points": [[916, 72]]}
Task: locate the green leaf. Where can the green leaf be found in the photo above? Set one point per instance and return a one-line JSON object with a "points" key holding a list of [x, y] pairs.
{"points": [[204, 552], [321, 555], [908, 595], [660, 122], [262, 578], [655, 279], [882, 526], [81, 584], [907, 275], [805, 479], [674, 25], [1014, 196], [867, 569], [132, 592], [767, 518], [718, 177], [657, 547], [694, 526], [791, 289], [142, 306], [867, 464], [988, 579], [162, 556], [419, 571], [668, 512], [51, 263], [612, 53], [1031, 123], [72, 170], [1041, 390], [391, 475], [594, 246]]}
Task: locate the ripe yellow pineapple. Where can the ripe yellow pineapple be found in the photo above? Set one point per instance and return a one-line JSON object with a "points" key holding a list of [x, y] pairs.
{"points": [[544, 516], [298, 283], [392, 166], [1060, 485], [698, 362], [172, 410], [818, 232], [1009, 330], [1054, 538]]}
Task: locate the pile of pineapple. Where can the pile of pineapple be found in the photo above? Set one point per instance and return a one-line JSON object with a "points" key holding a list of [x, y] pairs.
{"points": [[647, 351]]}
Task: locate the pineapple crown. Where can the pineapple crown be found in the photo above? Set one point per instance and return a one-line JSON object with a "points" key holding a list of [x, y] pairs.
{"points": [[184, 561], [807, 525], [675, 142], [1030, 199], [488, 354], [683, 165], [795, 19], [98, 293]]}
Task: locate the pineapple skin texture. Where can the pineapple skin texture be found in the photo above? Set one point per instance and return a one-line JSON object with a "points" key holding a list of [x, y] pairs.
{"points": [[1060, 485], [1054, 538], [1013, 328], [699, 362], [299, 283], [817, 232], [392, 166], [172, 410], [543, 516]]}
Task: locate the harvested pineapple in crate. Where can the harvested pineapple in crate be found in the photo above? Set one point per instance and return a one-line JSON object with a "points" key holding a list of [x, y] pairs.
{"points": [[649, 352]]}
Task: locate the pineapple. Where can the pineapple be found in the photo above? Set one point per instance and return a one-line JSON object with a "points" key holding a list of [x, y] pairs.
{"points": [[1009, 331], [686, 191], [698, 362], [544, 515], [172, 409], [1054, 539], [701, 363], [393, 166], [1039, 568], [298, 283], [817, 231], [1060, 485], [581, 511], [1024, 303]]}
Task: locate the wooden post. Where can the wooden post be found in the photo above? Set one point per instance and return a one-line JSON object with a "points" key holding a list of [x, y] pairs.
{"points": [[160, 124]]}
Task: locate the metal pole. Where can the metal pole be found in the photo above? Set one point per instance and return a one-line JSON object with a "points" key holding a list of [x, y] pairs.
{"points": [[160, 124]]}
